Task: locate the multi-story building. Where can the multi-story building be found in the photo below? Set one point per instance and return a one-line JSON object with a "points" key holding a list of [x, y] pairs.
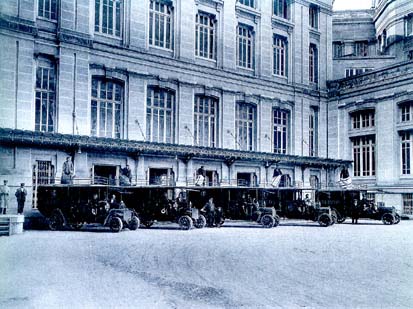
{"points": [[166, 86], [370, 119]]}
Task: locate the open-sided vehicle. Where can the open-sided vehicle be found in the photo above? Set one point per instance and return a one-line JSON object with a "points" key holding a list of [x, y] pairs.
{"points": [[235, 203], [75, 205], [160, 203], [296, 203], [346, 201]]}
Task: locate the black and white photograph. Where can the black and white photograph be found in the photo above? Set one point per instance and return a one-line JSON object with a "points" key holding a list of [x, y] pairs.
{"points": [[206, 154]]}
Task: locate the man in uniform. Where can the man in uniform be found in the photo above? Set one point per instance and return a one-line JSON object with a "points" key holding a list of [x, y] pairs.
{"points": [[4, 197], [209, 208], [67, 171], [20, 194]]}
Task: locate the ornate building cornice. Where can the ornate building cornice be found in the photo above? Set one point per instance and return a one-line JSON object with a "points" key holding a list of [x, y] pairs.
{"points": [[71, 143], [378, 78]]}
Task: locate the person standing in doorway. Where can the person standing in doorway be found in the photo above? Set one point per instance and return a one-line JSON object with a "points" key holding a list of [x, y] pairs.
{"points": [[21, 194], [67, 171], [4, 197]]}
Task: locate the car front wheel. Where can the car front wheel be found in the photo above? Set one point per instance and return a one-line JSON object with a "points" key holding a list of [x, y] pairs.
{"points": [[185, 222], [267, 221], [324, 220], [200, 222], [116, 224], [134, 223], [387, 219], [56, 221]]}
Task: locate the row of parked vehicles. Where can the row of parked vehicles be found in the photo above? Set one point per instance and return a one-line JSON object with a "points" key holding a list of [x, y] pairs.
{"points": [[197, 207]]}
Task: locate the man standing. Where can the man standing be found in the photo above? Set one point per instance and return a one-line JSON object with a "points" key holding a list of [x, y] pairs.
{"points": [[21, 198], [200, 176], [209, 208], [4, 197], [67, 171], [276, 178]]}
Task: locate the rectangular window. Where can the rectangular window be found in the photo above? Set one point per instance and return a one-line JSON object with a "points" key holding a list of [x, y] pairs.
{"points": [[313, 16], [361, 49], [245, 50], [281, 8], [408, 203], [409, 25], [205, 121], [250, 3], [45, 102], [363, 119], [106, 108], [246, 115], [108, 15], [406, 152], [160, 115], [364, 156], [338, 49], [47, 9], [406, 111], [313, 132], [280, 131], [205, 31], [313, 64], [357, 71], [161, 24], [280, 54]]}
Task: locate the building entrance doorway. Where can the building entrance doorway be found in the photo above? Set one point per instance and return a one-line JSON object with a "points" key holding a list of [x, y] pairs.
{"points": [[246, 179], [106, 174], [161, 176]]}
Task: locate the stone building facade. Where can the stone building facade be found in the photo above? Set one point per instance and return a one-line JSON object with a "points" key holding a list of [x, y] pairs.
{"points": [[370, 118], [166, 86]]}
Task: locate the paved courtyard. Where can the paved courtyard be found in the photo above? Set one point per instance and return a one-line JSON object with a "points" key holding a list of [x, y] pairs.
{"points": [[297, 264]]}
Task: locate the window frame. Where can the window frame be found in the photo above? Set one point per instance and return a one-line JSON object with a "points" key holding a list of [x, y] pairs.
{"points": [[406, 153], [406, 112], [281, 9], [407, 199], [313, 64], [338, 49], [313, 16], [248, 43], [211, 48], [249, 3], [363, 119], [45, 93], [313, 120], [153, 111], [211, 117], [41, 10], [280, 142], [246, 124], [168, 19], [361, 48], [280, 56], [364, 156], [117, 114], [98, 19]]}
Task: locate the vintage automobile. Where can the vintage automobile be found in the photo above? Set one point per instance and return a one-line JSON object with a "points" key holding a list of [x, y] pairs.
{"points": [[291, 203], [388, 215], [343, 202], [163, 203], [75, 205], [236, 203]]}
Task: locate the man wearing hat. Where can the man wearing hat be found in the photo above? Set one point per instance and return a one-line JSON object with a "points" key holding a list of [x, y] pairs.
{"points": [[4, 197], [21, 198]]}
